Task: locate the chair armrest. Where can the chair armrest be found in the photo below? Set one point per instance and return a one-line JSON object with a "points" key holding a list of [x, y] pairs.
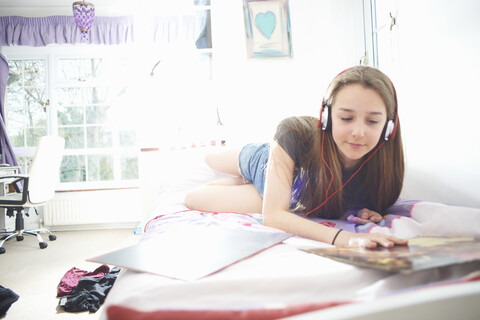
{"points": [[13, 179], [13, 175]]}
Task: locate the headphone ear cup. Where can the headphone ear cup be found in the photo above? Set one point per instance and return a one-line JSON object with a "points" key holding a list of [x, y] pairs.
{"points": [[324, 117], [389, 129]]}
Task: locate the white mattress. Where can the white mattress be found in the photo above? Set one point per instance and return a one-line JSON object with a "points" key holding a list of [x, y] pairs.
{"points": [[284, 276]]}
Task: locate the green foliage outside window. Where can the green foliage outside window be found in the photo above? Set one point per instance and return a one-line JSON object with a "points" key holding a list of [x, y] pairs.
{"points": [[83, 115]]}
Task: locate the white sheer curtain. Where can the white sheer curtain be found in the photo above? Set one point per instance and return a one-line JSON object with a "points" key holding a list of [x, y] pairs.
{"points": [[177, 97]]}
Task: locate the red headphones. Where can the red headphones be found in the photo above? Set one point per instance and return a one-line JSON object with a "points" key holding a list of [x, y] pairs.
{"points": [[389, 130]]}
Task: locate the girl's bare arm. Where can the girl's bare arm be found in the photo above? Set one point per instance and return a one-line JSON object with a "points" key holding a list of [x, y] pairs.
{"points": [[276, 205]]}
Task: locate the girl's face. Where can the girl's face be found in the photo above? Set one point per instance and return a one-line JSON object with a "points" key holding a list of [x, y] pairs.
{"points": [[358, 117]]}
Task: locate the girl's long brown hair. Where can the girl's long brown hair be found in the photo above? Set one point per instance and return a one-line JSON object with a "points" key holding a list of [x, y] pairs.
{"points": [[382, 174]]}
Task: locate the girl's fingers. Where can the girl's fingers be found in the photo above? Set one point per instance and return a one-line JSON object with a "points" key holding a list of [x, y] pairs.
{"points": [[398, 240], [357, 220], [371, 241], [369, 215]]}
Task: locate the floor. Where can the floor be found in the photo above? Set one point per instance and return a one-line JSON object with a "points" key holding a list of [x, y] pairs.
{"points": [[34, 273]]}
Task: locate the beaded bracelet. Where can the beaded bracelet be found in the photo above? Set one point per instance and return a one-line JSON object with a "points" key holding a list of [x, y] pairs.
{"points": [[335, 238]]}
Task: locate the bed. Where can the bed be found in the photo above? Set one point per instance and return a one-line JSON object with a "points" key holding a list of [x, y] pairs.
{"points": [[284, 281]]}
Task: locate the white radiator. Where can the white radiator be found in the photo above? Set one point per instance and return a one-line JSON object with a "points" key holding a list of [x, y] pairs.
{"points": [[111, 207]]}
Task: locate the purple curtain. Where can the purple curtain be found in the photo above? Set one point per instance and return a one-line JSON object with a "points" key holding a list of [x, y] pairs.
{"points": [[38, 32], [8, 156]]}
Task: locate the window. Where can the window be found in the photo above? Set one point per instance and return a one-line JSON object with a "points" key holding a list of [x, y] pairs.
{"points": [[27, 100], [57, 90], [90, 95]]}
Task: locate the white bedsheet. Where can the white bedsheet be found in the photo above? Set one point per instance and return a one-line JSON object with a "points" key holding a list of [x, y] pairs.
{"points": [[283, 275]]}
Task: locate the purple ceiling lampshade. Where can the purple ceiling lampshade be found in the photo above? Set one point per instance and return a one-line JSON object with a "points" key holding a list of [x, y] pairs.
{"points": [[84, 13]]}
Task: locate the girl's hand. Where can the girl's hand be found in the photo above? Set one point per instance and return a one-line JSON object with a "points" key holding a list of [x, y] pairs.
{"points": [[365, 216], [367, 240]]}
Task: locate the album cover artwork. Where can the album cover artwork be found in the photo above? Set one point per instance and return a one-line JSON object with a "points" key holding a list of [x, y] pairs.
{"points": [[420, 254]]}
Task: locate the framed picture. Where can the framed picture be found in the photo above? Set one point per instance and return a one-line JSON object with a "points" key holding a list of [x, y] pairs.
{"points": [[267, 26]]}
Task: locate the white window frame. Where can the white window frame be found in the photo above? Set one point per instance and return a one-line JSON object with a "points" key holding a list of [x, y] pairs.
{"points": [[52, 54]]}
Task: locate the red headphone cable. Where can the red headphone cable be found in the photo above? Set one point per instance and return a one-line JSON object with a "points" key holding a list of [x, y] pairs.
{"points": [[331, 173], [353, 175]]}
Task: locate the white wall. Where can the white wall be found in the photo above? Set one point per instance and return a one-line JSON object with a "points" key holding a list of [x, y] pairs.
{"points": [[434, 57], [327, 37]]}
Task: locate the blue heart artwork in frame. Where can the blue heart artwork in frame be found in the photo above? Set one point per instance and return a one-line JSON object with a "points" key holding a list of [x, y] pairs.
{"points": [[266, 23], [267, 26]]}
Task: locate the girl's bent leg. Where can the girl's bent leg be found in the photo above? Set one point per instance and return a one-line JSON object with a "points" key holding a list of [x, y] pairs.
{"points": [[225, 161], [234, 181], [225, 198]]}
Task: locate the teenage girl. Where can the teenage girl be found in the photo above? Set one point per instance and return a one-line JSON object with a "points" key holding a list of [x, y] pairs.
{"points": [[350, 158]]}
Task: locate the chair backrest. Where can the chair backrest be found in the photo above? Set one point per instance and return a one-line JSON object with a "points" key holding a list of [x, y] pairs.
{"points": [[45, 168]]}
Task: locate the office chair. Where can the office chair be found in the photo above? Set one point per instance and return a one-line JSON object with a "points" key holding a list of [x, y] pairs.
{"points": [[38, 189]]}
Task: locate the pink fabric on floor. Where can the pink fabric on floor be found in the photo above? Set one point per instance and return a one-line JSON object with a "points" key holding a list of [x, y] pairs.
{"points": [[72, 276]]}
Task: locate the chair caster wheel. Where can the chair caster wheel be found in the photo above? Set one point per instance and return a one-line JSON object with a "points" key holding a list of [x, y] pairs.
{"points": [[43, 245], [2, 250], [52, 237], [19, 238]]}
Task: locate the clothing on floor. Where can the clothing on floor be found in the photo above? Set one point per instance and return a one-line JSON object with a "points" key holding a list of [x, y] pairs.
{"points": [[7, 298], [90, 293], [72, 276]]}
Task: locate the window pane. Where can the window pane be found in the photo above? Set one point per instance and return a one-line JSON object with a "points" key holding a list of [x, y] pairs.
{"points": [[100, 168], [78, 69], [17, 137], [81, 96], [74, 137], [97, 114], [129, 167], [128, 138], [16, 127], [34, 73], [33, 135], [26, 101], [34, 97], [95, 95], [15, 98], [70, 115], [16, 117], [73, 169], [14, 72], [36, 117], [69, 96], [99, 137], [15, 80]]}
